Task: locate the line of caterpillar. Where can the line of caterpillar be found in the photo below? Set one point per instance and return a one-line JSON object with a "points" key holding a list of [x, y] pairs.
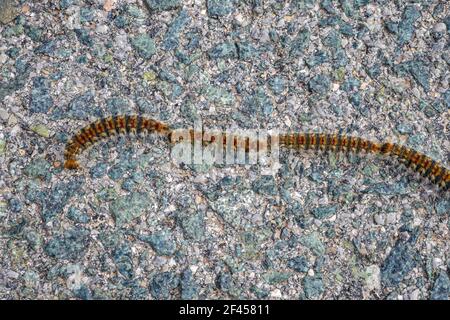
{"points": [[138, 125]]}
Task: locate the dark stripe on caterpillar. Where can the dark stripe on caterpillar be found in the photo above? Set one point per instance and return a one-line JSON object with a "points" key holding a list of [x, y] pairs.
{"points": [[401, 152], [100, 129], [139, 125], [412, 158], [327, 142], [439, 177], [419, 162], [81, 139], [368, 146], [307, 140], [105, 126], [132, 124], [111, 126], [384, 148], [317, 141], [120, 124], [352, 143], [93, 132], [358, 144], [347, 145], [430, 169], [128, 124], [339, 142]]}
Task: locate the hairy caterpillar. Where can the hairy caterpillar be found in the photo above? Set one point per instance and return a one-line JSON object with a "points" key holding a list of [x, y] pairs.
{"points": [[137, 125], [109, 127]]}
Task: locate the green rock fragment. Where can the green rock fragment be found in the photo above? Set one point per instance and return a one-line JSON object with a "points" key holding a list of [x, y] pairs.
{"points": [[2, 146], [149, 76], [312, 241], [193, 226], [39, 168], [277, 277], [339, 74], [127, 208], [13, 31], [324, 212], [70, 245], [165, 87], [223, 50], [3, 208], [246, 51], [135, 11], [300, 42], [33, 32], [108, 58], [107, 194], [34, 239], [370, 170], [319, 84], [303, 4], [41, 130], [189, 111], [313, 286], [259, 293], [332, 40], [218, 95], [8, 11], [162, 5], [219, 8], [441, 287], [162, 242], [443, 207], [144, 45]]}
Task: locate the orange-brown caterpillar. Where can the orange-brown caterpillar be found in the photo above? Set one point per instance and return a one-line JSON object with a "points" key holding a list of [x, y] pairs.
{"points": [[133, 124], [413, 159], [109, 127]]}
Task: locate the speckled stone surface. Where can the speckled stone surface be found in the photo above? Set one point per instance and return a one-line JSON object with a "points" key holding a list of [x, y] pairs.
{"points": [[134, 225]]}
